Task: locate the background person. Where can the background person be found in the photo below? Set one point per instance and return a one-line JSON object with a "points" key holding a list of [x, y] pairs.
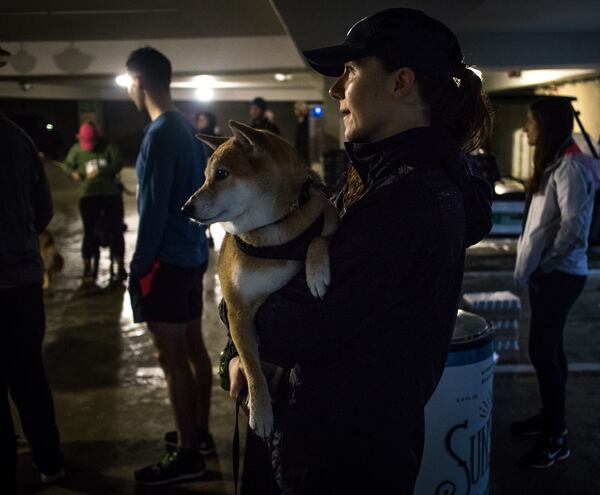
{"points": [[258, 118], [25, 210], [301, 139], [552, 263], [206, 123], [370, 354], [97, 163], [168, 265]]}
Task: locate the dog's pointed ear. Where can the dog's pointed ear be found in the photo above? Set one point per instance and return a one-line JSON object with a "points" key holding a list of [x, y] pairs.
{"points": [[212, 142], [244, 135]]}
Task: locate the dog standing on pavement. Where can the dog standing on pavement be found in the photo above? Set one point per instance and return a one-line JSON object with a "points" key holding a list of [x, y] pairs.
{"points": [[263, 194], [53, 260]]}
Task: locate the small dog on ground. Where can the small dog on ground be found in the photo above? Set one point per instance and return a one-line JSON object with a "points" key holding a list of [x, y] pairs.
{"points": [[53, 260], [265, 197]]}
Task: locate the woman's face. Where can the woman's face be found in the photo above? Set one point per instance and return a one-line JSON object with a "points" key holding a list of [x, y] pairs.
{"points": [[532, 130], [364, 93], [202, 122]]}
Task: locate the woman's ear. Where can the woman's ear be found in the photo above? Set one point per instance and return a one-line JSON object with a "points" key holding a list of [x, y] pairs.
{"points": [[404, 81]]}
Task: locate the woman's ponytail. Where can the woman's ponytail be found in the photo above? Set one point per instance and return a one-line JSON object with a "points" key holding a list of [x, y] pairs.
{"points": [[460, 106]]}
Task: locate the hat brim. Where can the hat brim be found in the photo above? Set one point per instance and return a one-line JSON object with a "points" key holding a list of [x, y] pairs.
{"points": [[330, 60]]}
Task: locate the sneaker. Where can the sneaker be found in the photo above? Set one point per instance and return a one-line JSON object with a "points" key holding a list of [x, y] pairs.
{"points": [[547, 452], [529, 426], [204, 442], [177, 466], [51, 476]]}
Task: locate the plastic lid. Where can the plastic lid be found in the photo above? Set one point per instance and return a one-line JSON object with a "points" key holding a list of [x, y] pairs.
{"points": [[469, 327]]}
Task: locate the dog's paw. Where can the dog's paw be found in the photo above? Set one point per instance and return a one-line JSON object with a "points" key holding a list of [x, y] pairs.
{"points": [[318, 273], [318, 279], [261, 421]]}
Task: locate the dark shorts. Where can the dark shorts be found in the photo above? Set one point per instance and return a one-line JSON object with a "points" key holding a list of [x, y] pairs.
{"points": [[173, 295]]}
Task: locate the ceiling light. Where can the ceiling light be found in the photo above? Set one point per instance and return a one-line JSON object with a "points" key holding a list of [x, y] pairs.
{"points": [[124, 80], [282, 77], [204, 93], [204, 80]]}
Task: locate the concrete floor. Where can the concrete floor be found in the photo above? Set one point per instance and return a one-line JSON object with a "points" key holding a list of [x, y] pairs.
{"points": [[112, 406]]}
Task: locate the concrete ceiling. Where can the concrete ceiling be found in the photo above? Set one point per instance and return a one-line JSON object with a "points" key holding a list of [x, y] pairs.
{"points": [[67, 20], [493, 33], [74, 49]]}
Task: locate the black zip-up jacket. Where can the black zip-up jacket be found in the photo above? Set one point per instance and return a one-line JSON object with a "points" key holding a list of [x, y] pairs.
{"points": [[369, 356]]}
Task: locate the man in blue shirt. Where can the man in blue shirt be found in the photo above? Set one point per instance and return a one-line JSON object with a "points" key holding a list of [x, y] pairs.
{"points": [[168, 264]]}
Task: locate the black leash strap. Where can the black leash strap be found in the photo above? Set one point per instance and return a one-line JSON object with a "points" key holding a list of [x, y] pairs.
{"points": [[235, 448]]}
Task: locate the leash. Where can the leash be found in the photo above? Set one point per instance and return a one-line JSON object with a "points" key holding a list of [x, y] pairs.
{"points": [[235, 448]]}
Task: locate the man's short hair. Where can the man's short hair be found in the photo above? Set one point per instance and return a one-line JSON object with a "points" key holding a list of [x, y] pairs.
{"points": [[152, 66]]}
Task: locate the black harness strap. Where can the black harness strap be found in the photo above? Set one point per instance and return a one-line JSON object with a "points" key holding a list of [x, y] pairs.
{"points": [[291, 250]]}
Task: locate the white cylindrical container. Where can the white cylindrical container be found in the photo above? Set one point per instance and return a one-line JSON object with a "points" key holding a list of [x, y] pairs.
{"points": [[458, 417]]}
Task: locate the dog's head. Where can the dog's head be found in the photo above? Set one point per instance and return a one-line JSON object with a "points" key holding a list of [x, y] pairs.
{"points": [[252, 180]]}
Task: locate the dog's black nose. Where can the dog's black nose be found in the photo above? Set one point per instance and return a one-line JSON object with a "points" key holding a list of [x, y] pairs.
{"points": [[188, 210]]}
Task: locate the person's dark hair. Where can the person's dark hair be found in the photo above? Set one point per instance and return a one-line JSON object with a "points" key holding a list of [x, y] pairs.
{"points": [[260, 103], [153, 67], [554, 118], [459, 105], [211, 120]]}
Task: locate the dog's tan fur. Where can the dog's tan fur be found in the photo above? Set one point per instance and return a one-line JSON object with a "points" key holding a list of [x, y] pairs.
{"points": [[53, 261], [257, 201]]}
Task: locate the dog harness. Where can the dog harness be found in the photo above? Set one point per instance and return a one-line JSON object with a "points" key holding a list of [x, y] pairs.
{"points": [[296, 248]]}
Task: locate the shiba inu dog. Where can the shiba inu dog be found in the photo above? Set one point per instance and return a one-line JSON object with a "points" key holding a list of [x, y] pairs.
{"points": [[53, 261], [263, 194]]}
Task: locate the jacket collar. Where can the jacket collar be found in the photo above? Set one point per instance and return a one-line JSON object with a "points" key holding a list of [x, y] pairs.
{"points": [[413, 147]]}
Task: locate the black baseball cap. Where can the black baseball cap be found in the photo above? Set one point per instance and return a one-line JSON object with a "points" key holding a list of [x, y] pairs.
{"points": [[401, 37]]}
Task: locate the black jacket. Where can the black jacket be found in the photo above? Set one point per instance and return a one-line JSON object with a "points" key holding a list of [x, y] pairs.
{"points": [[25, 207], [369, 356]]}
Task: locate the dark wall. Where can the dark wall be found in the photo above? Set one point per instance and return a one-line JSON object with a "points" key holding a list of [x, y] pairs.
{"points": [[122, 123], [34, 115]]}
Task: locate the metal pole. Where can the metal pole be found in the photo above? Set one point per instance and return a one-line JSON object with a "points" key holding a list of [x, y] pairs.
{"points": [[585, 135]]}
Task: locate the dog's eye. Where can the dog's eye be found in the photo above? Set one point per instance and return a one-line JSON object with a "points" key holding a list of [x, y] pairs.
{"points": [[221, 174]]}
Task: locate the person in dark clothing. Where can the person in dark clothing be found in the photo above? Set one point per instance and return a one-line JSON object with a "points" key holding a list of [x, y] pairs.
{"points": [[259, 120], [25, 210], [168, 265], [368, 357], [301, 140]]}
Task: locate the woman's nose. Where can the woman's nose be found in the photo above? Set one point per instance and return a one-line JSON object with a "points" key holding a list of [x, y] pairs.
{"points": [[337, 90]]}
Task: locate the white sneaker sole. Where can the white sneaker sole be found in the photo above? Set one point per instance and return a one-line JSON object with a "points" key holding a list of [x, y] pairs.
{"points": [[554, 461]]}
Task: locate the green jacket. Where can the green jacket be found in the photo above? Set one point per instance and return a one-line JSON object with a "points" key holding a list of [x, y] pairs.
{"points": [[105, 158]]}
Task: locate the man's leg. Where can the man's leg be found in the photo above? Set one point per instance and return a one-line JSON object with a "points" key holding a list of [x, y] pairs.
{"points": [[201, 370], [170, 342], [8, 449], [28, 384], [90, 211]]}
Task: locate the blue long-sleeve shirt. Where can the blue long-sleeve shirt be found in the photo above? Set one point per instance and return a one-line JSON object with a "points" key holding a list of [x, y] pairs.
{"points": [[170, 168]]}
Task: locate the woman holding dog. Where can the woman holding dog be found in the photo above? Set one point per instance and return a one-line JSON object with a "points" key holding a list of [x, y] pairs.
{"points": [[97, 163], [552, 264], [368, 356]]}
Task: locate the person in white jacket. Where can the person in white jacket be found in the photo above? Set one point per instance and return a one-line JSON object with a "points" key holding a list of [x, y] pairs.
{"points": [[552, 263]]}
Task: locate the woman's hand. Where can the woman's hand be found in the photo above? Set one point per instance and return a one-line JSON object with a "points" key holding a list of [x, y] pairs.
{"points": [[75, 175], [237, 380]]}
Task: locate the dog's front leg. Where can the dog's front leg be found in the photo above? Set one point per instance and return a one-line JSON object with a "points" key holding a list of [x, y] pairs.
{"points": [[318, 272], [243, 333]]}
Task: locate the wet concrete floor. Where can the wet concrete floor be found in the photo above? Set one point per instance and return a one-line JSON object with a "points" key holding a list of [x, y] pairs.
{"points": [[111, 399]]}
